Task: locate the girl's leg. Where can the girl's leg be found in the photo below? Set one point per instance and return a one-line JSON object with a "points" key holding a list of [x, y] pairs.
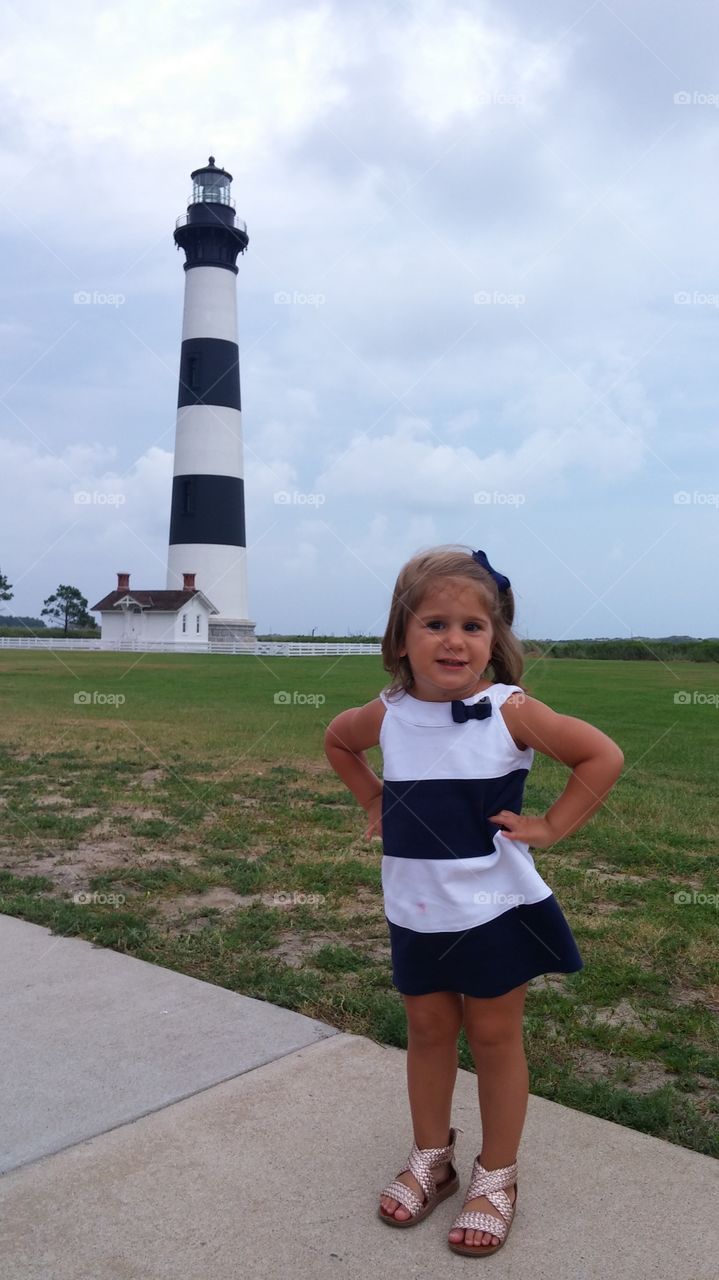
{"points": [[433, 1026], [494, 1032]]}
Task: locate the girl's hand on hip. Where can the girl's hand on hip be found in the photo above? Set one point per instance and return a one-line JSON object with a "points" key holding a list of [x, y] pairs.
{"points": [[522, 827], [374, 818]]}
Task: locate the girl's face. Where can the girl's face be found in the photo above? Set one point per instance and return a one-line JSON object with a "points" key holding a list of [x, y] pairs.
{"points": [[449, 641]]}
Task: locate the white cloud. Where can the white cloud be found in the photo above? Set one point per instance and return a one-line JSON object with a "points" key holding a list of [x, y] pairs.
{"points": [[453, 64], [411, 467], [131, 73], [88, 518]]}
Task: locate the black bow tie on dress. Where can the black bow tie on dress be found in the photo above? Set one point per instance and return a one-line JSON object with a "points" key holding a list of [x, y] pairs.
{"points": [[477, 711]]}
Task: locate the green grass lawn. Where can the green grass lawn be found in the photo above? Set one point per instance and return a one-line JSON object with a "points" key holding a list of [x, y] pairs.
{"points": [[205, 820]]}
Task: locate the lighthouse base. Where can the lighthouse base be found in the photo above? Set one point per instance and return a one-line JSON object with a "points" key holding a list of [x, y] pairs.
{"points": [[232, 631]]}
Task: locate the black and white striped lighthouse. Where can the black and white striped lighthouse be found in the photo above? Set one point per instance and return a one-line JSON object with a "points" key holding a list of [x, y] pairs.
{"points": [[207, 524]]}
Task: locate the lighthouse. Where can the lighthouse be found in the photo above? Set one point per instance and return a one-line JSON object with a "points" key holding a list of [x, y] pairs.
{"points": [[207, 522]]}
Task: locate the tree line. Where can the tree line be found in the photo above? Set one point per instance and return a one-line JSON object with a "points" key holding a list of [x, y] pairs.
{"points": [[66, 608]]}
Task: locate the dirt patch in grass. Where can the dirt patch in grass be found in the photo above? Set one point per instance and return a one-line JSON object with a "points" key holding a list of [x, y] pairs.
{"points": [[708, 998], [364, 903], [259, 848], [621, 1015], [72, 870], [607, 876], [148, 779], [136, 812], [550, 982], [222, 775], [707, 1098], [189, 912], [596, 917], [635, 1077], [296, 949]]}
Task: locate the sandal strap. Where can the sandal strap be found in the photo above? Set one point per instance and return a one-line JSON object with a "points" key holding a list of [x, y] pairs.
{"points": [[422, 1160], [484, 1181], [483, 1222], [491, 1184], [405, 1196]]}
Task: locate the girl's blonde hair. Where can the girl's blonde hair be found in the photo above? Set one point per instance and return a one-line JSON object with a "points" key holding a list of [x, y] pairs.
{"points": [[419, 573]]}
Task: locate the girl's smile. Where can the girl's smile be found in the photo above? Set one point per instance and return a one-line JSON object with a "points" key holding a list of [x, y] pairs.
{"points": [[449, 642]]}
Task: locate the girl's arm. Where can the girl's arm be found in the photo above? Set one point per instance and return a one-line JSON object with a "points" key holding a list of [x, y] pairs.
{"points": [[595, 760], [347, 738]]}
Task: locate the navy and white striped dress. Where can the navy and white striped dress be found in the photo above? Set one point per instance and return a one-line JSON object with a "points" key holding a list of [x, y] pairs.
{"points": [[467, 909]]}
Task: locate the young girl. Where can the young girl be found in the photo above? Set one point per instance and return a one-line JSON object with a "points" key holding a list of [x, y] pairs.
{"points": [[470, 919]]}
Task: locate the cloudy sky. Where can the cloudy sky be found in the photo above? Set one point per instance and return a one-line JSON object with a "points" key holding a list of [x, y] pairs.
{"points": [[496, 223]]}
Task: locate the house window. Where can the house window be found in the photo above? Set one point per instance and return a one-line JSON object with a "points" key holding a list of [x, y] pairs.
{"points": [[184, 622]]}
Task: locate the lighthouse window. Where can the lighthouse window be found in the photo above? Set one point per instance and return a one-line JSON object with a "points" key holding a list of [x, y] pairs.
{"points": [[184, 622], [193, 371], [198, 624], [187, 498]]}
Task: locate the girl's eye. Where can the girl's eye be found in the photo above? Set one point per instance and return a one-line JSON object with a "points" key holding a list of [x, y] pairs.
{"points": [[435, 623]]}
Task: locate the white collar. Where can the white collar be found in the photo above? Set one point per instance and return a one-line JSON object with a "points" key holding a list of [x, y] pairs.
{"points": [[432, 714]]}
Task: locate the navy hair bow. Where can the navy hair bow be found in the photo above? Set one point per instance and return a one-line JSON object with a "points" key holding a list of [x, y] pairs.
{"points": [[461, 713], [502, 582]]}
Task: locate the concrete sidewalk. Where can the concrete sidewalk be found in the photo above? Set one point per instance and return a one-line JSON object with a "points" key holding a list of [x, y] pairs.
{"points": [[155, 1126]]}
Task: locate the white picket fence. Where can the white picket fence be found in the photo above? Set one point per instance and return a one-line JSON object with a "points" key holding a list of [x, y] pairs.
{"points": [[260, 648]]}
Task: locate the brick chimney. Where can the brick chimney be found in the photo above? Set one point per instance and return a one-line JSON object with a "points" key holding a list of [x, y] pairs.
{"points": [[188, 582], [123, 582]]}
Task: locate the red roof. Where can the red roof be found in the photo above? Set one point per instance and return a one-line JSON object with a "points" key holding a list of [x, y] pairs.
{"points": [[160, 601]]}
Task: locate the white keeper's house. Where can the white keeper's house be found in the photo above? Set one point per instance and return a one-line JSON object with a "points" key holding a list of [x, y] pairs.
{"points": [[169, 616]]}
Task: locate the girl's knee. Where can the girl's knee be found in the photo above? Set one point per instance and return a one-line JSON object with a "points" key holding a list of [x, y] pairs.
{"points": [[497, 1021], [495, 1036], [434, 1019]]}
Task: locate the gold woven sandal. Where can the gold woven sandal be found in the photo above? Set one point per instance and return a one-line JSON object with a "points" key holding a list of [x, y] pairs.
{"points": [[421, 1163], [490, 1183]]}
